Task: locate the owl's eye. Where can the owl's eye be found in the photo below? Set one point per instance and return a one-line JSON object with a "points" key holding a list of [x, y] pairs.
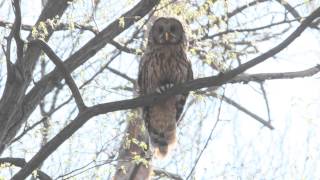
{"points": [[172, 28], [160, 29]]}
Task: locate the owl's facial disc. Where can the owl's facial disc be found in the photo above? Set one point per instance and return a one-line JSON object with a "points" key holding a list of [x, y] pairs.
{"points": [[168, 35], [167, 31]]}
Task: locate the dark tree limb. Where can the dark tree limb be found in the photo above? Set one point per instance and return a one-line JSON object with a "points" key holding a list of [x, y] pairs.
{"points": [[124, 76], [47, 83], [90, 112], [295, 13], [59, 63], [20, 162], [260, 78], [289, 8], [163, 173], [12, 105], [245, 78], [16, 29]]}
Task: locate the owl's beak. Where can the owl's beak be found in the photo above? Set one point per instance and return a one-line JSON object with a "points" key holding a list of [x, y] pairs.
{"points": [[166, 36]]}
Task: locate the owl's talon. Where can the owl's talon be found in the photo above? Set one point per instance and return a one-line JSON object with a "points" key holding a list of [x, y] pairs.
{"points": [[168, 86], [163, 88], [158, 90]]}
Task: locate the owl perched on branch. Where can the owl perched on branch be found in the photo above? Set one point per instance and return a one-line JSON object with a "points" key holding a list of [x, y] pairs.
{"points": [[163, 65]]}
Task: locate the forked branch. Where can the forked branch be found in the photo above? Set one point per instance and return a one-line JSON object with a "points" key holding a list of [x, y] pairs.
{"points": [[90, 112]]}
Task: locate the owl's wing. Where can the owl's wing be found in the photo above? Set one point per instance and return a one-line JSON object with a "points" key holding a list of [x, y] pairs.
{"points": [[141, 84], [181, 99]]}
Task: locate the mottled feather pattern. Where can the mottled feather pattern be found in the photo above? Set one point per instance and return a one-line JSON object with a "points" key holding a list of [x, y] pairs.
{"points": [[163, 64]]}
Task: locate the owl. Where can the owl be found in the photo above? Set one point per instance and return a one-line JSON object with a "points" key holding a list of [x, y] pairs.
{"points": [[163, 65]]}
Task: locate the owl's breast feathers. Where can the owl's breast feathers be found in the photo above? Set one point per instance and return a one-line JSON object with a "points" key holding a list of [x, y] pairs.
{"points": [[160, 66]]}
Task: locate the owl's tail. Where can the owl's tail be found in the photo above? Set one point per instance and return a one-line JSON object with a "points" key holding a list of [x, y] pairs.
{"points": [[163, 142], [161, 125]]}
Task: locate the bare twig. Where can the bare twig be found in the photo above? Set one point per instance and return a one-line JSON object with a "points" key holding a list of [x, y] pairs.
{"points": [[243, 109], [64, 27], [265, 97], [240, 9], [84, 168], [25, 131], [209, 138], [252, 29]]}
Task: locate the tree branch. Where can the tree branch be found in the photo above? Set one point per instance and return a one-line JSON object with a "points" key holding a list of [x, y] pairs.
{"points": [[12, 104], [208, 139], [240, 9], [26, 130], [265, 97], [90, 112], [64, 26], [47, 83], [243, 109], [16, 28], [290, 9], [161, 173], [20, 162], [245, 78], [252, 29], [124, 76], [59, 63]]}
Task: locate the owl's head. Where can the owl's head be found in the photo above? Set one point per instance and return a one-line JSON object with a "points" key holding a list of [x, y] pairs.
{"points": [[167, 31]]}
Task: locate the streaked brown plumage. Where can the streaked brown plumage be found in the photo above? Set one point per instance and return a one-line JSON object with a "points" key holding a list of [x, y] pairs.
{"points": [[164, 64]]}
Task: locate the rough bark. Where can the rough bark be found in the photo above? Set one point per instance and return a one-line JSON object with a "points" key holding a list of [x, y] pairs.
{"points": [[15, 105], [128, 167], [19, 77]]}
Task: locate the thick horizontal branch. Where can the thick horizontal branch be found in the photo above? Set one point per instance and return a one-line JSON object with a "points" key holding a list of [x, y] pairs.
{"points": [[90, 112], [20, 162]]}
